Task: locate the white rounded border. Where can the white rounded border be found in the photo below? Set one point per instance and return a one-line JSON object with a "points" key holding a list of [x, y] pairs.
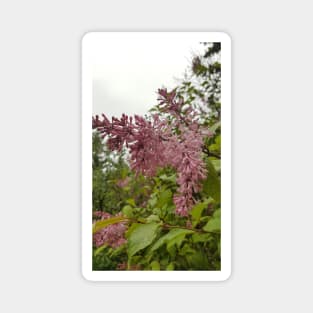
{"points": [[86, 257]]}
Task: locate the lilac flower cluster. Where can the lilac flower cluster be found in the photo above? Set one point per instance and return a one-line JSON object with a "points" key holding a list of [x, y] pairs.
{"points": [[112, 235], [190, 170], [142, 137], [170, 102], [154, 144]]}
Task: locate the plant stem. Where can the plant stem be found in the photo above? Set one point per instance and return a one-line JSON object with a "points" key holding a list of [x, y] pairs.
{"points": [[201, 231]]}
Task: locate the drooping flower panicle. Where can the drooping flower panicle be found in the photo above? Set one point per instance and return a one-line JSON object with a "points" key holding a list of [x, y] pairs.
{"points": [[153, 144], [190, 171]]}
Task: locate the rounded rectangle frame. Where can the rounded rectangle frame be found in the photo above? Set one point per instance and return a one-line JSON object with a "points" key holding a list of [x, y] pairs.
{"points": [[86, 258]]}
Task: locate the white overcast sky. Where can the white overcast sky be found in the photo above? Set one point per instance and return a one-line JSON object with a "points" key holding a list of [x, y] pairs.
{"points": [[127, 73]]}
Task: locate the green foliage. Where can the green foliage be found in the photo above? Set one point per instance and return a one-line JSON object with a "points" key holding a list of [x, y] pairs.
{"points": [[198, 209], [107, 169], [201, 86], [140, 236], [157, 239], [110, 171], [214, 223], [106, 258], [212, 184], [173, 237]]}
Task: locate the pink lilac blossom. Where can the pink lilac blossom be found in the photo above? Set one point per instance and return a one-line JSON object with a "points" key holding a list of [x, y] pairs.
{"points": [[147, 149], [185, 155], [168, 103], [101, 215], [144, 138], [153, 145], [112, 235]]}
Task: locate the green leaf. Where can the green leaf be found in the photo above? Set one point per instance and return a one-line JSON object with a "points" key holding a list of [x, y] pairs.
{"points": [[99, 250], [113, 220], [197, 210], [214, 224], [171, 179], [217, 213], [170, 267], [187, 250], [172, 251], [174, 236], [218, 140], [152, 201], [200, 237], [141, 236], [142, 220], [155, 265], [212, 184], [198, 260], [165, 198], [128, 211], [157, 211], [205, 219], [215, 127], [177, 241], [217, 145], [131, 202], [117, 251], [217, 165], [152, 218]]}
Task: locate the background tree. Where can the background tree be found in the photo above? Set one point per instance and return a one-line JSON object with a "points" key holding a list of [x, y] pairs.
{"points": [[201, 86], [107, 170]]}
